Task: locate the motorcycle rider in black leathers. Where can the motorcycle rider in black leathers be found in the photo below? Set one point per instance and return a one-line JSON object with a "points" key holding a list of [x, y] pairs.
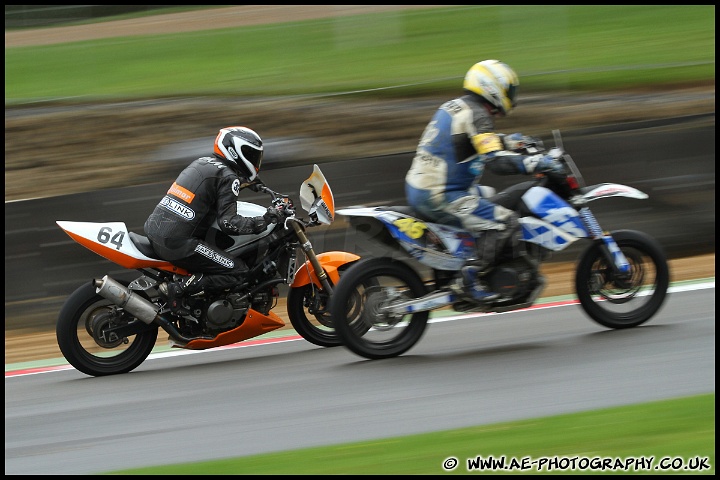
{"points": [[457, 145], [205, 191]]}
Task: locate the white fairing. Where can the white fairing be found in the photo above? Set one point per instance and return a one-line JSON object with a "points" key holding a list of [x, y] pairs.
{"points": [[605, 190], [438, 246], [246, 209], [359, 211], [112, 235], [316, 198]]}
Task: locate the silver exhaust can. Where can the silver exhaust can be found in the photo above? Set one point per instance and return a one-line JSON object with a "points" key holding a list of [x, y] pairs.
{"points": [[122, 297]]}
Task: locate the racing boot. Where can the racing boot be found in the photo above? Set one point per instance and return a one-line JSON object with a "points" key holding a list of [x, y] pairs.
{"points": [[488, 245], [174, 291], [474, 286]]}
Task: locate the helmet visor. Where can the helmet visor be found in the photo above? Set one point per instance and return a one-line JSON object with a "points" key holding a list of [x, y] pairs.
{"points": [[512, 94], [252, 155]]}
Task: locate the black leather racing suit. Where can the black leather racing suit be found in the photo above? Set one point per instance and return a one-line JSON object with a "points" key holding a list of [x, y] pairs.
{"points": [[205, 190]]}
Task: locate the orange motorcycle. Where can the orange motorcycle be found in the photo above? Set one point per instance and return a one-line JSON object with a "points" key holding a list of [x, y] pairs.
{"points": [[110, 326]]}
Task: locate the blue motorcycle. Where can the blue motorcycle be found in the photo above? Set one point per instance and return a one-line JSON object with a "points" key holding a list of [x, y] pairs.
{"points": [[621, 278]]}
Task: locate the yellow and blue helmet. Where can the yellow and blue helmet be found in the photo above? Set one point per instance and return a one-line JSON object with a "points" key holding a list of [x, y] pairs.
{"points": [[494, 81]]}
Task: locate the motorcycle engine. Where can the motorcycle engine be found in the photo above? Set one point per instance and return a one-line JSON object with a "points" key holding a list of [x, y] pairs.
{"points": [[228, 312], [265, 300], [512, 279]]}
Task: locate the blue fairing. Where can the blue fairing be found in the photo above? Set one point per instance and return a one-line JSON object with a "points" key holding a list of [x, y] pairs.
{"points": [[548, 206], [555, 225]]}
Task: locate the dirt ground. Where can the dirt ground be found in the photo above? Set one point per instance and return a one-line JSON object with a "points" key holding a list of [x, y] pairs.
{"points": [[99, 145]]}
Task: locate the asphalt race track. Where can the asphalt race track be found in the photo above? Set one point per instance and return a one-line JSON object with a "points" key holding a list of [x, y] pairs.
{"points": [[292, 394]]}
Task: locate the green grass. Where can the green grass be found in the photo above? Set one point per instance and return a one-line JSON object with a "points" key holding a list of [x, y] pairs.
{"points": [[679, 429], [400, 53]]}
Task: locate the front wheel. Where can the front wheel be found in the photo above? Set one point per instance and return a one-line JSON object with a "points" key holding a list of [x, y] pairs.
{"points": [[363, 294], [627, 300], [308, 310], [84, 339]]}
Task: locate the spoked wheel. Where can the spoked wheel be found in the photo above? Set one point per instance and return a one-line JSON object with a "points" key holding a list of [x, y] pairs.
{"points": [[626, 300], [309, 315], [84, 340], [365, 294]]}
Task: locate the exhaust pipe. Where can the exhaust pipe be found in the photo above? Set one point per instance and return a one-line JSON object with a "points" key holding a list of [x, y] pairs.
{"points": [[122, 297], [140, 307]]}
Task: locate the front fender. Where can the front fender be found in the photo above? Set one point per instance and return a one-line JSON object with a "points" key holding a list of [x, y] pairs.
{"points": [[330, 261], [606, 190]]}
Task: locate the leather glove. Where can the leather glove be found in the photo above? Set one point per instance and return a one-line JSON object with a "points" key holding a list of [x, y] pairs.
{"points": [[518, 142], [259, 224], [550, 162], [556, 153], [273, 215]]}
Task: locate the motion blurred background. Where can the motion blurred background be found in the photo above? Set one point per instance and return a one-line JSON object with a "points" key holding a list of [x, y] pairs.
{"points": [[103, 98], [128, 99]]}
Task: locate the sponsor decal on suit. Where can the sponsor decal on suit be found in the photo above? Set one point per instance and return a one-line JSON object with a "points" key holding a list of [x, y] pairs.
{"points": [[214, 256], [177, 208], [181, 192]]}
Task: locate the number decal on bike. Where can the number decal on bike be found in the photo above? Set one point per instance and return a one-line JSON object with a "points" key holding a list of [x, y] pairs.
{"points": [[105, 236], [410, 227]]}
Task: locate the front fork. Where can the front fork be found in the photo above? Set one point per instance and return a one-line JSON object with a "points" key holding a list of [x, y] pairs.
{"points": [[609, 247], [307, 247]]}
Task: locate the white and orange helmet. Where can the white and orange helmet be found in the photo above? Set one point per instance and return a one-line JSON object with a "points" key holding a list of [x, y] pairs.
{"points": [[242, 147]]}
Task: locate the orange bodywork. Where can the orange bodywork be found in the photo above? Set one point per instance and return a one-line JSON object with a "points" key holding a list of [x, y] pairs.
{"points": [[330, 261], [328, 198], [255, 324]]}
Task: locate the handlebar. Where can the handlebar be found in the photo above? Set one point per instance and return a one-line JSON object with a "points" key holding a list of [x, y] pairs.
{"points": [[278, 199], [281, 202]]}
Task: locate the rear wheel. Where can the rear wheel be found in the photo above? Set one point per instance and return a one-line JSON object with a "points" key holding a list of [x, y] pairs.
{"points": [[84, 339], [626, 300], [364, 294]]}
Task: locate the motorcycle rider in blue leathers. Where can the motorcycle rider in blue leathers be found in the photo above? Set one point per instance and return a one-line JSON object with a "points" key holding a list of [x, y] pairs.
{"points": [[457, 145]]}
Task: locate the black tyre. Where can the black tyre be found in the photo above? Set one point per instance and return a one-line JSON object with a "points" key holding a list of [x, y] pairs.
{"points": [[630, 299], [307, 310], [309, 315], [80, 334], [361, 295]]}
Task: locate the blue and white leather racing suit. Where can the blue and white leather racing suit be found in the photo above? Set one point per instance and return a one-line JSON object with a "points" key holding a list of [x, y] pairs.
{"points": [[442, 182]]}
